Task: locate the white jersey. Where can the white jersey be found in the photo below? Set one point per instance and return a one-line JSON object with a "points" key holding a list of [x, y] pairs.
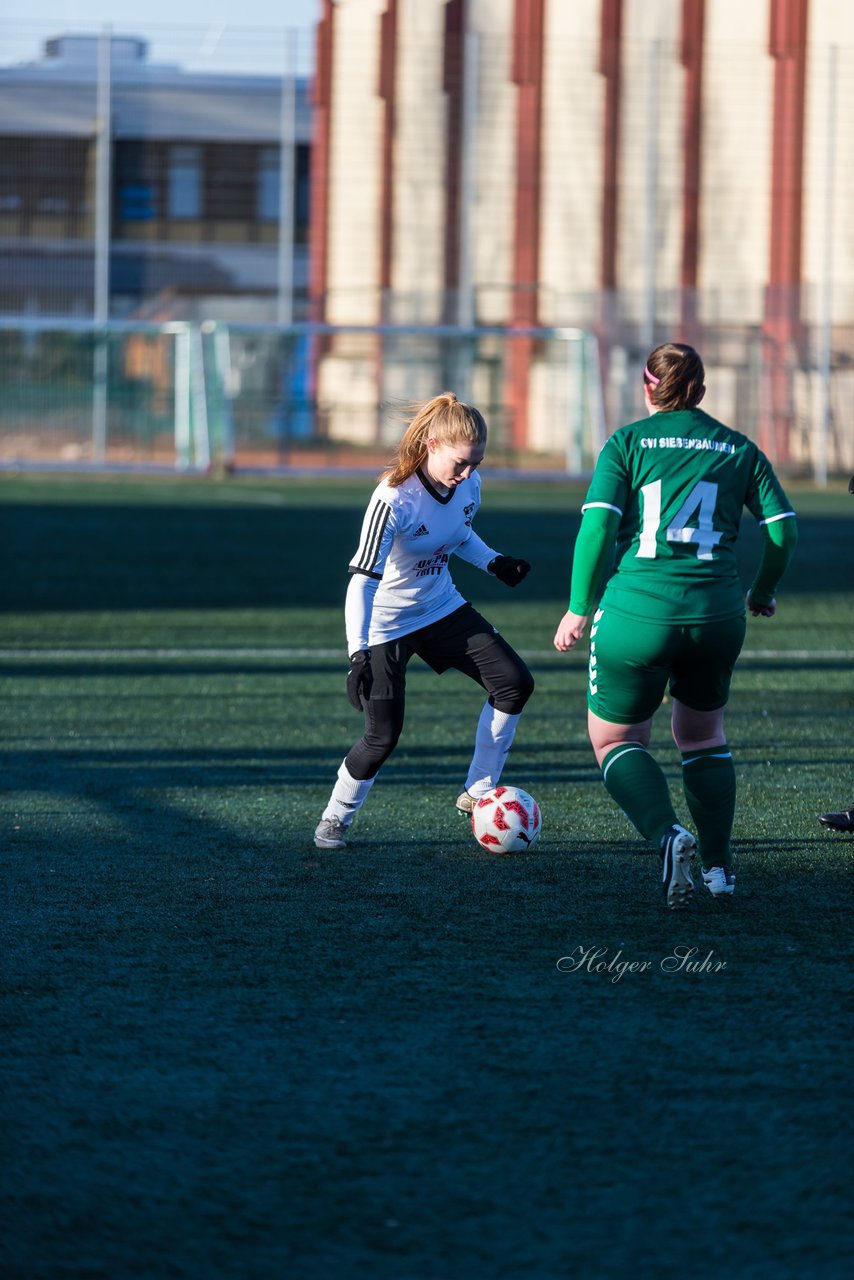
{"points": [[401, 579]]}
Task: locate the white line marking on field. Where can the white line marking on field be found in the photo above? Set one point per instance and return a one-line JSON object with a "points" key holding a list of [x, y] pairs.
{"points": [[108, 653]]}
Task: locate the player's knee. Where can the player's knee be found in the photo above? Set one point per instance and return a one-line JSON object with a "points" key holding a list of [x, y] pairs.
{"points": [[512, 699], [370, 754], [383, 727]]}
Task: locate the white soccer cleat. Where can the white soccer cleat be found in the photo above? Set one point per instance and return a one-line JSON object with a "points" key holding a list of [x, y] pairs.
{"points": [[465, 802], [719, 881], [330, 834], [678, 849]]}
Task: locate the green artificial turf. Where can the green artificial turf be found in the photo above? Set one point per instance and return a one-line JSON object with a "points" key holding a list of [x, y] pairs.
{"points": [[226, 1053]]}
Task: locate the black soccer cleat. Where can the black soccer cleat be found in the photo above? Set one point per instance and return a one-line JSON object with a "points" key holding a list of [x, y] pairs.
{"points": [[843, 821]]}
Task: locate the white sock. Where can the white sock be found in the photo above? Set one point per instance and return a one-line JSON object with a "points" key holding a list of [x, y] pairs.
{"points": [[348, 796], [494, 738]]}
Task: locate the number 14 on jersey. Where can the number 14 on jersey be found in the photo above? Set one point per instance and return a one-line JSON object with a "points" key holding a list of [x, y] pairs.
{"points": [[698, 507]]}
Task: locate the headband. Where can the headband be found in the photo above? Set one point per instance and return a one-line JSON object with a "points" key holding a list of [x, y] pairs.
{"points": [[651, 377]]}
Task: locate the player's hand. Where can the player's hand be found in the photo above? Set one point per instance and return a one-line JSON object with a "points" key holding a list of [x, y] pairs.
{"points": [[359, 678], [509, 570], [760, 610], [570, 630]]}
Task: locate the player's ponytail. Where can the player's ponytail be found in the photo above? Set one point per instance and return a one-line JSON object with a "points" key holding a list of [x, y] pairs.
{"points": [[444, 419], [674, 376]]}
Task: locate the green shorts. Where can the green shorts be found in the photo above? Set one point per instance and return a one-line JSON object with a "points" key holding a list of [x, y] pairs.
{"points": [[632, 663]]}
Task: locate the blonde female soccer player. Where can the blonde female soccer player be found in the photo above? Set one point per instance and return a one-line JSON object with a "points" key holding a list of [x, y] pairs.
{"points": [[402, 601], [669, 491]]}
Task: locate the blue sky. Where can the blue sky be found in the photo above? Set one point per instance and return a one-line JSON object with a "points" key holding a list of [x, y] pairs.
{"points": [[222, 35]]}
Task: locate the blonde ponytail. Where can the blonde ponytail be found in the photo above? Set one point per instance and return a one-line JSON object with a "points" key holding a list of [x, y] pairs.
{"points": [[444, 419]]}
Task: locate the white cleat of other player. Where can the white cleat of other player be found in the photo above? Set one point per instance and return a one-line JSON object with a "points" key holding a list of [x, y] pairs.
{"points": [[720, 881]]}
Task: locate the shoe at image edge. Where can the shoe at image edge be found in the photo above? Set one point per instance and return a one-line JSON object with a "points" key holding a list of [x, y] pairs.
{"points": [[843, 821]]}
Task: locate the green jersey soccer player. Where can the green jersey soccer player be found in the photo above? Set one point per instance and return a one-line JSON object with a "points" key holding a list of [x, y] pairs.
{"points": [[667, 498]]}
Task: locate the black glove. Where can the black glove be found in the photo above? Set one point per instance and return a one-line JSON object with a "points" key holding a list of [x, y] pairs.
{"points": [[510, 570], [359, 678]]}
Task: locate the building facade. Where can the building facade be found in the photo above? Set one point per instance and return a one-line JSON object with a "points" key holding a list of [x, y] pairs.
{"points": [[639, 168]]}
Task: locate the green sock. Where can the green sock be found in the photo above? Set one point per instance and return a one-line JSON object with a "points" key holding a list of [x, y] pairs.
{"points": [[635, 781], [708, 778]]}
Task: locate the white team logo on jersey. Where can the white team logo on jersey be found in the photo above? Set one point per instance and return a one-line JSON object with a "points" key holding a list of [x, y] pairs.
{"points": [[432, 565]]}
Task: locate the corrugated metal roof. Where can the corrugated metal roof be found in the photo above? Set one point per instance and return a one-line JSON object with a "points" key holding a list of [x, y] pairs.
{"points": [[27, 109], [186, 112], [228, 108]]}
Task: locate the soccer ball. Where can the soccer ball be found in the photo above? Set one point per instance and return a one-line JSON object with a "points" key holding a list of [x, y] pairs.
{"points": [[506, 820]]}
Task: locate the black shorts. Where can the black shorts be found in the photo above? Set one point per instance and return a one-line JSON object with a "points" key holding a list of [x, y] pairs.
{"points": [[465, 641]]}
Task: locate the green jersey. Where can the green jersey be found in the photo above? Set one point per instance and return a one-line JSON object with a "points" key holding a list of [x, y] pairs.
{"points": [[679, 482]]}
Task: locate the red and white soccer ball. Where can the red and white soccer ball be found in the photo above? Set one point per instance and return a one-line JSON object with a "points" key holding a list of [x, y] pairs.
{"points": [[506, 820]]}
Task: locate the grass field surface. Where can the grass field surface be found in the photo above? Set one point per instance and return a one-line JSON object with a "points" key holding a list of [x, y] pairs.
{"points": [[228, 1054]]}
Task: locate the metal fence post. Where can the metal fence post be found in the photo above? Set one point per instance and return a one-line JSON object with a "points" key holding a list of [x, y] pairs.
{"points": [[101, 256], [651, 195], [287, 156], [183, 398]]}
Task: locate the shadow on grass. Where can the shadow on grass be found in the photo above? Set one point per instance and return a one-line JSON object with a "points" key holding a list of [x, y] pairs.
{"points": [[112, 774], [72, 556]]}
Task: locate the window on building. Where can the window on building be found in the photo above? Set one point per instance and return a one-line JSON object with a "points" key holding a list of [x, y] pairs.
{"points": [[301, 192], [138, 180], [268, 184], [268, 187], [184, 198], [12, 170], [43, 175], [230, 183]]}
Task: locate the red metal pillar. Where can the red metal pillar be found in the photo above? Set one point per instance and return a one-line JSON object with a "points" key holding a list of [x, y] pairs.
{"points": [[610, 40], [691, 54], [528, 76], [388, 94], [387, 90], [453, 64], [321, 97], [318, 232], [782, 326]]}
